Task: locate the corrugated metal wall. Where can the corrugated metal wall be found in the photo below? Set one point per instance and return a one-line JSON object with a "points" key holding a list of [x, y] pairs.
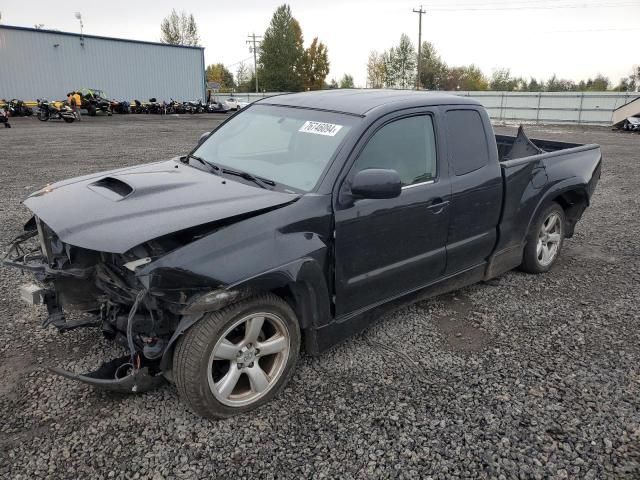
{"points": [[536, 107], [37, 64], [553, 107]]}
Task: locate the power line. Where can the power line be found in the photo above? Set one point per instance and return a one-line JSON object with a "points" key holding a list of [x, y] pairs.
{"points": [[240, 61], [532, 3], [516, 7], [253, 39], [420, 12]]}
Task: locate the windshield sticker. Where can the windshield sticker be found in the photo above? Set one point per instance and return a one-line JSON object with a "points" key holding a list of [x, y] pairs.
{"points": [[319, 128]]}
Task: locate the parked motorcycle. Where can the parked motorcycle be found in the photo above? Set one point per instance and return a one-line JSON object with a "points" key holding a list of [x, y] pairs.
{"points": [[120, 107], [194, 106], [175, 107], [17, 108], [47, 111], [154, 106], [4, 118], [138, 107]]}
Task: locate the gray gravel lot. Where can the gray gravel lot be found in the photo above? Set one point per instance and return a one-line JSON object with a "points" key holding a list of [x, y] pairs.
{"points": [[522, 377]]}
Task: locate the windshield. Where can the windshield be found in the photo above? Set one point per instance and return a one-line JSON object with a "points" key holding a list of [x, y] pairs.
{"points": [[290, 146]]}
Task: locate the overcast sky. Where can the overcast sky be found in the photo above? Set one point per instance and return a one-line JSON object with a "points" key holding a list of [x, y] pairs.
{"points": [[571, 38]]}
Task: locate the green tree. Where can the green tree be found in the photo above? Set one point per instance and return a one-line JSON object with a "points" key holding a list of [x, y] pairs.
{"points": [[402, 60], [598, 84], [433, 71], [282, 53], [218, 73], [315, 65], [376, 70], [347, 81], [534, 85], [333, 84], [245, 79], [179, 29], [474, 79], [502, 81], [555, 84]]}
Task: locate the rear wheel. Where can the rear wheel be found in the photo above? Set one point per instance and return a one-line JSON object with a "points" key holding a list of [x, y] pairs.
{"points": [[239, 358], [68, 119], [545, 240], [43, 115]]}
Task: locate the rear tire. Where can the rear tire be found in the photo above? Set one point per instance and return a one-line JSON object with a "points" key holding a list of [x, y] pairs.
{"points": [[43, 116], [239, 358], [545, 240]]}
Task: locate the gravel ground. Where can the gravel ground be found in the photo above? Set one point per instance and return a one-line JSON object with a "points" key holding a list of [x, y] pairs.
{"points": [[522, 377]]}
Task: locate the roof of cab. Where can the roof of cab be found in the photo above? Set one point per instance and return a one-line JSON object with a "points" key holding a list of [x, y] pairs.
{"points": [[359, 102]]}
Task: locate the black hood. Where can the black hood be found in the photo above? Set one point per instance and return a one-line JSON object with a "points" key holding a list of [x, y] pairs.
{"points": [[115, 211]]}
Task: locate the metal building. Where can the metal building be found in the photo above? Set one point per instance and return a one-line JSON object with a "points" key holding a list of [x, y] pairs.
{"points": [[48, 64]]}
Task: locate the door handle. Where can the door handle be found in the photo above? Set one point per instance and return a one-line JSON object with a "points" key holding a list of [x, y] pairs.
{"points": [[437, 205]]}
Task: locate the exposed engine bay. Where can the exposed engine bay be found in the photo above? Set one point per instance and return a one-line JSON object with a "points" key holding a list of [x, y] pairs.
{"points": [[141, 313]]}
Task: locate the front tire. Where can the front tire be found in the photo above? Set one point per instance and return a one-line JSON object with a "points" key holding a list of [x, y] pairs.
{"points": [[545, 240], [239, 358]]}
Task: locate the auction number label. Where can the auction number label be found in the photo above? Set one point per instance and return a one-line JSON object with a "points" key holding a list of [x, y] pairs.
{"points": [[320, 128]]}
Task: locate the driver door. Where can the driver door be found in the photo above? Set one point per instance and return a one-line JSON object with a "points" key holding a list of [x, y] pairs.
{"points": [[385, 248]]}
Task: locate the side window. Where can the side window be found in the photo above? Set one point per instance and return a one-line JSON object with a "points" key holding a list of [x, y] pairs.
{"points": [[407, 145], [466, 140]]}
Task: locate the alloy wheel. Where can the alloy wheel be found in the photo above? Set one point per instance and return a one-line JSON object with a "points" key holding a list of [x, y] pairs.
{"points": [[248, 359], [549, 238]]}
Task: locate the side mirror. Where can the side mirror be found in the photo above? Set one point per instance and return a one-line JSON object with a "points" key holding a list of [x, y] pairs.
{"points": [[376, 183], [203, 137]]}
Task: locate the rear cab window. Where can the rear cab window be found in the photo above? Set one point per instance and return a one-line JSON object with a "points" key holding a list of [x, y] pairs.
{"points": [[466, 140]]}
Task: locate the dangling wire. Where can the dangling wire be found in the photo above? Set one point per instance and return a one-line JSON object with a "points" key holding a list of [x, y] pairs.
{"points": [[132, 313]]}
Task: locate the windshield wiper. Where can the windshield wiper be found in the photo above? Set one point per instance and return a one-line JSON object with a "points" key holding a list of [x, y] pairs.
{"points": [[261, 182], [210, 166]]}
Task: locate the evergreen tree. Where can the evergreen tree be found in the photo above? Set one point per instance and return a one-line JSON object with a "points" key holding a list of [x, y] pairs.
{"points": [[282, 53]]}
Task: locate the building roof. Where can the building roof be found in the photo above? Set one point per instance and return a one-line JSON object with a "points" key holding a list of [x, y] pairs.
{"points": [[359, 102], [56, 32]]}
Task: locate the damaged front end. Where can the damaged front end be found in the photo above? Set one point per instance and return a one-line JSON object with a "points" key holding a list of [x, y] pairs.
{"points": [[143, 313]]}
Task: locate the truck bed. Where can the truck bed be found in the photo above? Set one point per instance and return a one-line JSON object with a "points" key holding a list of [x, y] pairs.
{"points": [[535, 172], [512, 147]]}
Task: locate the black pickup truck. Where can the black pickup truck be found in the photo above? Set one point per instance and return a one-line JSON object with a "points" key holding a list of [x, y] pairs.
{"points": [[291, 226]]}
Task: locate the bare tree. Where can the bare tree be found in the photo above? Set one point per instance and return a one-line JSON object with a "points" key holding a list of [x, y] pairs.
{"points": [[179, 29]]}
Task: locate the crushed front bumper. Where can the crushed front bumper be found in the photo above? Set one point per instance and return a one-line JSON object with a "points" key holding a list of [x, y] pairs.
{"points": [[117, 375]]}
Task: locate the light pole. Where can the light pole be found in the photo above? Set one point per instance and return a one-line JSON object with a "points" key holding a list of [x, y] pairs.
{"points": [[253, 39], [420, 13], [78, 15]]}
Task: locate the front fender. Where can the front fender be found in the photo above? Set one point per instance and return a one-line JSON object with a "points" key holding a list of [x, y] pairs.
{"points": [[302, 278]]}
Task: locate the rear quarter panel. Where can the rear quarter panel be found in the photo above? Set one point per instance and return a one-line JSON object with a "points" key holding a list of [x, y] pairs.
{"points": [[533, 182]]}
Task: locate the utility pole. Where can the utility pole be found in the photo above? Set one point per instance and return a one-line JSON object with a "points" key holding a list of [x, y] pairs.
{"points": [[253, 40], [420, 13]]}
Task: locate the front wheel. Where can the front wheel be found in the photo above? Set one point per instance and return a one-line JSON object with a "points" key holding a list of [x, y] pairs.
{"points": [[545, 240], [43, 115], [68, 119], [239, 358]]}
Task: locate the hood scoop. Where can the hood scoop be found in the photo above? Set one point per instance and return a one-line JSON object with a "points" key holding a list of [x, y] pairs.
{"points": [[111, 188]]}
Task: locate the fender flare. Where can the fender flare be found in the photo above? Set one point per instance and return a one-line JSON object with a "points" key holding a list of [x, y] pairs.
{"points": [[553, 193], [304, 280]]}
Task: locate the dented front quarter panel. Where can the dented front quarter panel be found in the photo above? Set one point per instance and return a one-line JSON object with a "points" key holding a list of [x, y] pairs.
{"points": [[271, 250]]}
